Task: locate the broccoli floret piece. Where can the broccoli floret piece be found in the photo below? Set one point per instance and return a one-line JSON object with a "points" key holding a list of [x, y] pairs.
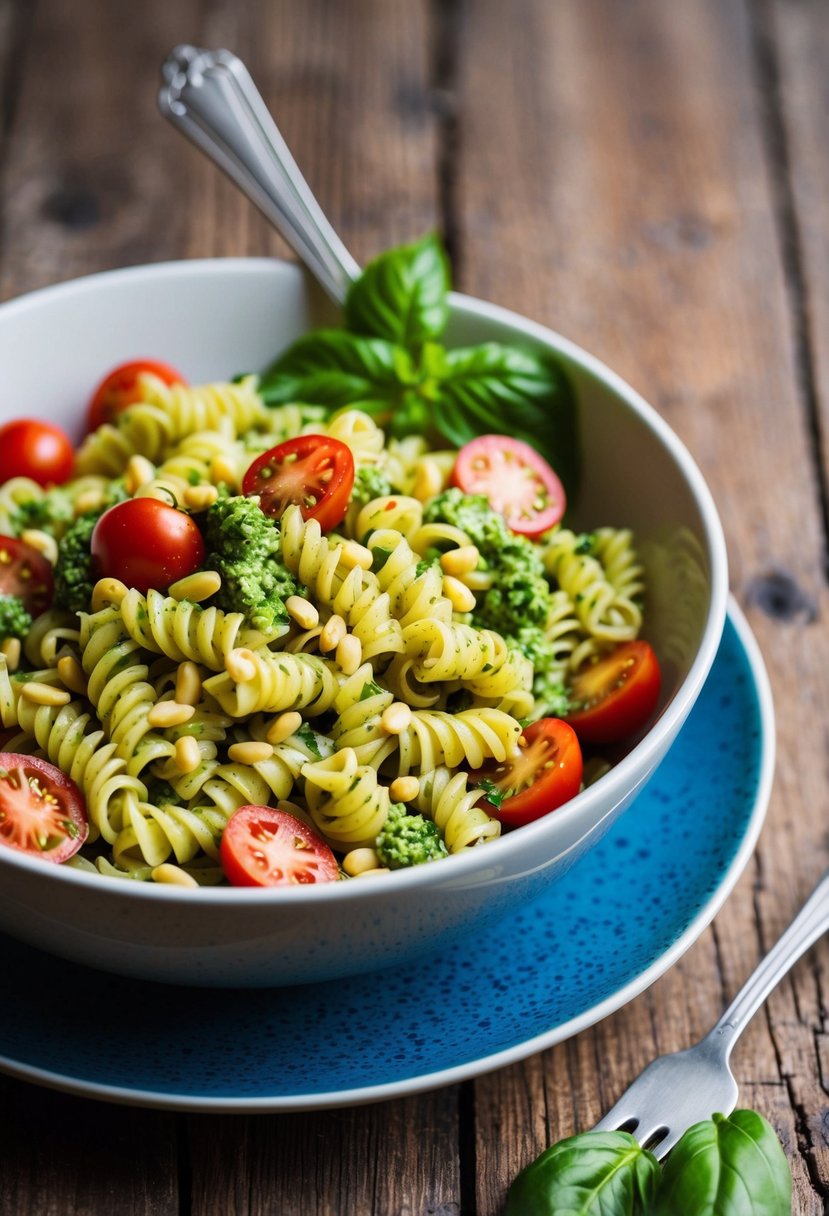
{"points": [[15, 621], [551, 699], [49, 514], [370, 482], [74, 571], [243, 547], [408, 840], [520, 594]]}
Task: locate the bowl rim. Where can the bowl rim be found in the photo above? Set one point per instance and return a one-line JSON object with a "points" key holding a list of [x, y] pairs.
{"points": [[644, 755]]}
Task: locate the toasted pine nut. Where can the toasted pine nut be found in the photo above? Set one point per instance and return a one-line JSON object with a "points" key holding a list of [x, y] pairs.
{"points": [[302, 611], [11, 648], [199, 498], [89, 500], [169, 713], [404, 789], [43, 542], [349, 654], [250, 753], [188, 756], [396, 718], [428, 480], [459, 595], [283, 727], [107, 592], [138, 472], [358, 861], [45, 694], [222, 470], [241, 665], [460, 561], [174, 875], [523, 741], [353, 555], [197, 587], [72, 674], [333, 632], [188, 683]]}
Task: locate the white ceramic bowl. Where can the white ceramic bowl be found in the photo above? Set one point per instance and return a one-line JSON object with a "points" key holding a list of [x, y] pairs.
{"points": [[213, 319]]}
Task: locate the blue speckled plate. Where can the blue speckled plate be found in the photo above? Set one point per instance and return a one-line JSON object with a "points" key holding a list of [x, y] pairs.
{"points": [[601, 935]]}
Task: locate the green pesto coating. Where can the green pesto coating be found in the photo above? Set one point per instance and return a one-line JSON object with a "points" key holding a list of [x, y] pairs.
{"points": [[408, 840], [15, 621], [370, 482], [243, 547], [74, 571], [51, 513], [548, 688]]}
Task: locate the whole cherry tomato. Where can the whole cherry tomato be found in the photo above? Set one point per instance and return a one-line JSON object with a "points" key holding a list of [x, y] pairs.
{"points": [[145, 543], [119, 389], [39, 450]]}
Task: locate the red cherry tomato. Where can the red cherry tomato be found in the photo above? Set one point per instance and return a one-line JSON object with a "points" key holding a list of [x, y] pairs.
{"points": [[26, 573], [119, 389], [517, 481], [42, 811], [265, 847], [613, 697], [313, 471], [145, 543], [539, 777], [29, 448]]}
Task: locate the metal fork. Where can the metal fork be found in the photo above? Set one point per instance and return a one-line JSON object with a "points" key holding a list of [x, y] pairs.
{"points": [[682, 1088]]}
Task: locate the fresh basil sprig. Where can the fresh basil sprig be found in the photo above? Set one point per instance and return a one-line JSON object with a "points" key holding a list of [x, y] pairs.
{"points": [[594, 1174], [389, 362]]}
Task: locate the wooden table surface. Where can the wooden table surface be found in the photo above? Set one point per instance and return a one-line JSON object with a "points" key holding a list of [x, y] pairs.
{"points": [[651, 179]]}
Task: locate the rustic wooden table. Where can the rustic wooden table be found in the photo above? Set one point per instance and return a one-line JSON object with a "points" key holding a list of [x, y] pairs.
{"points": [[651, 179]]}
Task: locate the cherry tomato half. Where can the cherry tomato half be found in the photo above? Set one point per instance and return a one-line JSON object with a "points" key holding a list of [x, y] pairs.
{"points": [[42, 811], [119, 388], [26, 573], [265, 847], [29, 448], [313, 471], [538, 778], [145, 543], [517, 481], [614, 696]]}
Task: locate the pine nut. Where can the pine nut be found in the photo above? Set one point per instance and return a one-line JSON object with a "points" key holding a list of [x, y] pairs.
{"points": [[250, 753], [222, 470], [72, 674], [197, 587], [88, 500], [283, 727], [199, 498], [404, 789], [428, 480], [302, 611], [188, 683], [458, 594], [460, 561], [358, 861], [333, 632], [349, 654], [138, 472], [523, 741], [45, 694], [240, 665], [188, 756], [43, 542], [396, 718], [169, 713], [371, 873], [11, 648], [107, 592], [352, 555], [173, 875]]}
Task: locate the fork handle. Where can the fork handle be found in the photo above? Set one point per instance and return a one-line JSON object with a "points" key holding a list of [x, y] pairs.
{"points": [[811, 922], [211, 97]]}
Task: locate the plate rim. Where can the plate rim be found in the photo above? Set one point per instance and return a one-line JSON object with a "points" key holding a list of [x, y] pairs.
{"points": [[469, 1069]]}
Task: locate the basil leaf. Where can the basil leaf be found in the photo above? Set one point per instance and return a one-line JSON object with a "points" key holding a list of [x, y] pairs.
{"points": [[594, 1174], [496, 389], [333, 368], [402, 294], [727, 1167]]}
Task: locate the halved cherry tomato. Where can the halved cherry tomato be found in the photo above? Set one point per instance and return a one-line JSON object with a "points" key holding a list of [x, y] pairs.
{"points": [[26, 573], [145, 543], [539, 777], [517, 481], [29, 448], [614, 696], [313, 471], [42, 811], [119, 388], [265, 847]]}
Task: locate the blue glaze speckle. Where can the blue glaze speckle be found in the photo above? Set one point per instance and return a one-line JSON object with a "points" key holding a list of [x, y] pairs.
{"points": [[614, 915]]}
